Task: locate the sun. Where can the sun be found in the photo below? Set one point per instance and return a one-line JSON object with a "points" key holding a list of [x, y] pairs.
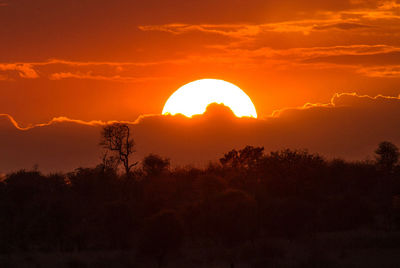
{"points": [[194, 97]]}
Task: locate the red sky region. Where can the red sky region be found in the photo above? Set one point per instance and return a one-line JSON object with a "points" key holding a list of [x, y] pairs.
{"points": [[117, 60]]}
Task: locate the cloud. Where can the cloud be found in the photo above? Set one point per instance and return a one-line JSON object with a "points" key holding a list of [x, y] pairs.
{"points": [[341, 25], [354, 58], [239, 31], [252, 31], [348, 125], [349, 19], [24, 70], [231, 30], [91, 76], [392, 71], [55, 120], [103, 63], [377, 19], [244, 44], [316, 52], [360, 35], [91, 70], [340, 100]]}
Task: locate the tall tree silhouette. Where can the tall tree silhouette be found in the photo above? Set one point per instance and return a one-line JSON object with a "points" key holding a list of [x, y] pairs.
{"points": [[116, 138], [387, 155]]}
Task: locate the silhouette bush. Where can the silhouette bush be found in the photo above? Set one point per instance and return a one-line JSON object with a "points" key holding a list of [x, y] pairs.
{"points": [[249, 197], [162, 235]]}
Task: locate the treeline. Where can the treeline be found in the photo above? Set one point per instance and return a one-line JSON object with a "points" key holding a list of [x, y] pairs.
{"points": [[155, 210]]}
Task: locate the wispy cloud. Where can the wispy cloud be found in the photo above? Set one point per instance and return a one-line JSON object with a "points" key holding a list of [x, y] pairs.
{"points": [[24, 70], [91, 76], [30, 69], [391, 71], [341, 25], [241, 31], [305, 58], [313, 52], [103, 63], [245, 44], [340, 20], [232, 30]]}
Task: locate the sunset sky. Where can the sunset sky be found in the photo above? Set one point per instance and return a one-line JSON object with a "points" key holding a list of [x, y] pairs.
{"points": [[101, 60]]}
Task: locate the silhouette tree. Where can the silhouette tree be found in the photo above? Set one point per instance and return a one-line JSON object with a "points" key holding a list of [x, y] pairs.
{"points": [[387, 155], [154, 165], [116, 138], [109, 162], [247, 157]]}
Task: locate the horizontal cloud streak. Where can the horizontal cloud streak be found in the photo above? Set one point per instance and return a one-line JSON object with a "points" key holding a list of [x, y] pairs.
{"points": [[24, 70], [392, 71], [30, 69], [340, 20], [376, 25], [91, 76], [352, 56]]}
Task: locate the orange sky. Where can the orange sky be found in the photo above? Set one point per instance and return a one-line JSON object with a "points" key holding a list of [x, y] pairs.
{"points": [[119, 59], [116, 60]]}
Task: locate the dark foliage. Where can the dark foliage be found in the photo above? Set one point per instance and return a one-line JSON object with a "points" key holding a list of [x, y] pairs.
{"points": [[249, 195], [387, 155], [161, 234]]}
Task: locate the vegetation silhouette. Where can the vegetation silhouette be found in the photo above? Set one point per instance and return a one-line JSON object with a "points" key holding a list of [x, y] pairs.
{"points": [[116, 139], [162, 234], [387, 155], [243, 209]]}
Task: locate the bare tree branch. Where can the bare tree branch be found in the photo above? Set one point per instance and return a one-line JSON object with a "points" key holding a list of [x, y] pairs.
{"points": [[116, 138]]}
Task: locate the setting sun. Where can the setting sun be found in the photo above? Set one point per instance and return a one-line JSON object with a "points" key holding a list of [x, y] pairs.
{"points": [[193, 98]]}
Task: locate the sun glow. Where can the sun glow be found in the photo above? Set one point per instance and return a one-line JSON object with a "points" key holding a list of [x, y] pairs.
{"points": [[193, 98]]}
